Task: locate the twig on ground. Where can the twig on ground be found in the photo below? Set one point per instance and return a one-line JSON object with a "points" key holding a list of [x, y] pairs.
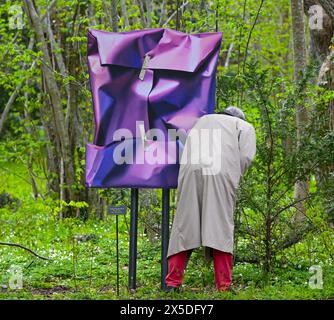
{"points": [[23, 247]]}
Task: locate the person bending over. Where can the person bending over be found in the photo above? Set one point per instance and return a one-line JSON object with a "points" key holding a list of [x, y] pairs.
{"points": [[217, 152]]}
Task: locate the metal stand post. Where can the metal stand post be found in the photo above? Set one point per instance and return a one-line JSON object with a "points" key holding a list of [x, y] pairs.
{"points": [[133, 239], [117, 257], [164, 236]]}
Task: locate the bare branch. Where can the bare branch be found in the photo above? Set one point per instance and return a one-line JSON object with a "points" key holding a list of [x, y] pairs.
{"points": [[251, 32], [23, 247], [15, 93], [174, 13], [295, 237], [292, 204]]}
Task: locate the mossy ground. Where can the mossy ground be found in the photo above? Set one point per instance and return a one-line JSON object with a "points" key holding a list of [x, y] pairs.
{"points": [[87, 269]]}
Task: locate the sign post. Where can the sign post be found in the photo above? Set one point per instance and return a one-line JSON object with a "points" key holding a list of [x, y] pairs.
{"points": [[117, 210]]}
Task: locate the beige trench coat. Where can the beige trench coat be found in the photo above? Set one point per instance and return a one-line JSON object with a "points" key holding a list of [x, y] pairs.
{"points": [[218, 151]]}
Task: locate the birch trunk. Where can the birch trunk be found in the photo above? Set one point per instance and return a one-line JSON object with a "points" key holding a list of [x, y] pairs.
{"points": [[163, 12], [142, 13], [149, 9], [125, 13], [106, 13], [55, 99], [114, 16]]}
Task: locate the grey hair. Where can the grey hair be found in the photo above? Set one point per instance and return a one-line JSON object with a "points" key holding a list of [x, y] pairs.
{"points": [[234, 112]]}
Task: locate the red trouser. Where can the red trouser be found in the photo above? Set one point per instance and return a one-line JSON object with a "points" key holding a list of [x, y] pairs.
{"points": [[222, 262]]}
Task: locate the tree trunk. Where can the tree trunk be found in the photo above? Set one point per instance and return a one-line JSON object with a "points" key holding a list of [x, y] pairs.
{"points": [[149, 9], [321, 39], [328, 5], [91, 14], [55, 99], [163, 12], [125, 13], [142, 13], [15, 93], [300, 62], [31, 153], [114, 16], [107, 13]]}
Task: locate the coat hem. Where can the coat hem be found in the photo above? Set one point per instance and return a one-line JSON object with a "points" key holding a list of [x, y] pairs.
{"points": [[205, 245], [189, 247]]}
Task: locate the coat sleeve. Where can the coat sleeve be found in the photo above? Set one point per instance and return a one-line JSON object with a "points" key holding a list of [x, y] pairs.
{"points": [[247, 147]]}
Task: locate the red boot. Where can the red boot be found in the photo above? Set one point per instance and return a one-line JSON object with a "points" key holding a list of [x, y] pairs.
{"points": [[223, 262], [176, 265]]}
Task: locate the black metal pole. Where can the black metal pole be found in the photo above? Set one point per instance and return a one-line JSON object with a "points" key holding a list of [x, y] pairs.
{"points": [[133, 239], [117, 257], [164, 236]]}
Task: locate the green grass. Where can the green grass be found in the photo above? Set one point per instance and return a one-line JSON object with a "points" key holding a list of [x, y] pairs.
{"points": [[87, 269]]}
